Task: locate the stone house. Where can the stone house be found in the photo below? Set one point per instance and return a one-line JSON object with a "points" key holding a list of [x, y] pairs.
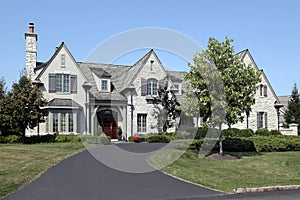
{"points": [[88, 98]]}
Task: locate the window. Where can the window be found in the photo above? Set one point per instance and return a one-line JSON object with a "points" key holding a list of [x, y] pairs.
{"points": [[63, 122], [71, 122], [151, 87], [62, 82], [104, 85], [63, 60], [263, 90], [55, 123], [141, 122], [262, 120], [58, 84], [66, 83]]}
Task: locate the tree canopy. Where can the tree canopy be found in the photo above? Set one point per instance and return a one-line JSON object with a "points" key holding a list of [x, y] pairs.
{"points": [[221, 81], [292, 115], [21, 108]]}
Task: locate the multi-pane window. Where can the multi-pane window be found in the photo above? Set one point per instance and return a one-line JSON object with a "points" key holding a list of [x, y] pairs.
{"points": [[141, 123], [104, 85], [63, 122], [151, 87], [62, 82], [262, 120], [66, 83], [55, 123], [71, 122], [263, 90]]}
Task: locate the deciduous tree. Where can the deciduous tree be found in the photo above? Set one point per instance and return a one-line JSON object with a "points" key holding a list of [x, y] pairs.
{"points": [[226, 86]]}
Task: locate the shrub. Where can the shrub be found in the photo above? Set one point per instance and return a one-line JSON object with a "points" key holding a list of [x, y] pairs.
{"points": [[276, 143], [262, 132], [102, 139], [275, 132], [234, 132], [67, 138], [246, 133], [10, 139], [42, 138], [201, 132], [158, 139], [238, 145]]}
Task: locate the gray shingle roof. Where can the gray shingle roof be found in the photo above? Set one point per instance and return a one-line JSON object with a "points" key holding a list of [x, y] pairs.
{"points": [[285, 101], [117, 73], [57, 102]]}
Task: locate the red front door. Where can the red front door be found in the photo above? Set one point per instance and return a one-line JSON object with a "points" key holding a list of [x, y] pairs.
{"points": [[107, 120]]}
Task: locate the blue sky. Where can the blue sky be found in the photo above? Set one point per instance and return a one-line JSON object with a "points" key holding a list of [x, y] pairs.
{"points": [[270, 29]]}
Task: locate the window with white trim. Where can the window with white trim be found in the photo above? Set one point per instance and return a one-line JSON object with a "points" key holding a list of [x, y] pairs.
{"points": [[55, 123], [62, 82], [141, 123], [71, 122], [104, 85], [152, 87], [63, 122], [262, 120]]}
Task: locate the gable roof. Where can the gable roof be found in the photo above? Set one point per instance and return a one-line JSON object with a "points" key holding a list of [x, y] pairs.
{"points": [[45, 65], [242, 56], [137, 67], [117, 72]]}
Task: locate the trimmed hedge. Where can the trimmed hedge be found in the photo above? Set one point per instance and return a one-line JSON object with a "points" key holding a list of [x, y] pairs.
{"points": [[67, 138], [276, 143], [234, 132], [10, 139], [102, 139], [158, 139], [247, 144]]}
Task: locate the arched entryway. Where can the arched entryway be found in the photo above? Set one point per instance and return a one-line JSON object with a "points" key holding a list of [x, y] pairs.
{"points": [[108, 120]]}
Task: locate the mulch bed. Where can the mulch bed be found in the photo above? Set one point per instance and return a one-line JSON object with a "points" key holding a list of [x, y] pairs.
{"points": [[217, 156]]}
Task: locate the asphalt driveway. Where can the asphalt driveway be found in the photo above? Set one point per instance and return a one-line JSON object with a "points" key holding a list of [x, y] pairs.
{"points": [[82, 177]]}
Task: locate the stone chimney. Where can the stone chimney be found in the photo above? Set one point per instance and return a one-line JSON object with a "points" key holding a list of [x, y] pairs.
{"points": [[31, 38]]}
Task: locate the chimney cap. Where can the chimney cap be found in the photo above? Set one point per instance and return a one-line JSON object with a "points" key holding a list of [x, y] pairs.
{"points": [[31, 27]]}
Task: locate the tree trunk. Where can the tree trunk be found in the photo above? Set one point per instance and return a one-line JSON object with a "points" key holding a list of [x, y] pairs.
{"points": [[220, 139]]}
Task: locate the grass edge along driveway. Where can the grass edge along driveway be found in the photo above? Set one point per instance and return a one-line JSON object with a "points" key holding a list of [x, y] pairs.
{"points": [[252, 170], [21, 164]]}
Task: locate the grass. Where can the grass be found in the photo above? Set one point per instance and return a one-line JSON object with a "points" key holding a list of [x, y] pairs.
{"points": [[253, 170], [21, 164]]}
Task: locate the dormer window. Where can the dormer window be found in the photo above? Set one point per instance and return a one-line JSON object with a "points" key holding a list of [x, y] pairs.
{"points": [[105, 85]]}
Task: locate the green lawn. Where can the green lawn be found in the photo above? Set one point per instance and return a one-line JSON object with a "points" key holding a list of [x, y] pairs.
{"points": [[254, 170], [20, 164]]}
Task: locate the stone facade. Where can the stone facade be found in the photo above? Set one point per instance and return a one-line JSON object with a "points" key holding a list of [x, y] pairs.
{"points": [[93, 89]]}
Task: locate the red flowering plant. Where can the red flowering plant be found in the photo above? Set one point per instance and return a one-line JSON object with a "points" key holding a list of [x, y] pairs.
{"points": [[135, 139]]}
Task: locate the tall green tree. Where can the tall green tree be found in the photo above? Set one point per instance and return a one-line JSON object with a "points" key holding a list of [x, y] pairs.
{"points": [[25, 101], [2, 88], [166, 108], [292, 115], [226, 86]]}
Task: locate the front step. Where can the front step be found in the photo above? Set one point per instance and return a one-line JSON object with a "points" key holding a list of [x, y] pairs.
{"points": [[113, 141]]}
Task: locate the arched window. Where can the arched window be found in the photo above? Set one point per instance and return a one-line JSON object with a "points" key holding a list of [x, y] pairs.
{"points": [[152, 87]]}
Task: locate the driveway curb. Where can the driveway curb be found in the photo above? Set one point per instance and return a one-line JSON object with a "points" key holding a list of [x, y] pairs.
{"points": [[267, 189]]}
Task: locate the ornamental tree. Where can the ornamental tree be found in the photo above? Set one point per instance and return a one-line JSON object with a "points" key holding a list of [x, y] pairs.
{"points": [[225, 86]]}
